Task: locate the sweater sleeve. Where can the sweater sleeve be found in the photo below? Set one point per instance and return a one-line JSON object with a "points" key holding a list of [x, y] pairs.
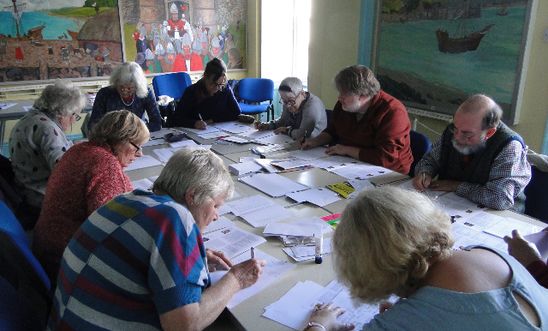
{"points": [[185, 114], [99, 107], [151, 107], [311, 114]]}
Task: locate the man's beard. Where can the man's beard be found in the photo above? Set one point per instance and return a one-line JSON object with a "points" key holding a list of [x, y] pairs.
{"points": [[468, 150]]}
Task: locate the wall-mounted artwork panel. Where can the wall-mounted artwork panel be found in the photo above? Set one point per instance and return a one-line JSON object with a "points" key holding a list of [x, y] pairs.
{"points": [[167, 36], [41, 40]]}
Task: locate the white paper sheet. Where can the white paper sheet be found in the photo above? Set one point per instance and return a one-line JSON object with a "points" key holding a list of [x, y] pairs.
{"points": [[144, 184], [183, 143], [360, 171], [317, 196], [232, 127], [232, 241], [309, 154], [249, 204], [266, 215], [243, 168], [272, 184], [144, 161], [307, 227], [4, 106]]}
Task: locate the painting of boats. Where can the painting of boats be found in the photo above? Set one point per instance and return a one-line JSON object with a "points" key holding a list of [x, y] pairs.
{"points": [[465, 43]]}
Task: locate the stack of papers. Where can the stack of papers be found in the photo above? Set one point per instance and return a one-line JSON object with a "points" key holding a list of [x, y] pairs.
{"points": [[231, 240], [243, 168], [318, 196], [144, 184], [313, 226], [359, 171], [302, 253], [273, 184], [144, 161], [257, 210]]}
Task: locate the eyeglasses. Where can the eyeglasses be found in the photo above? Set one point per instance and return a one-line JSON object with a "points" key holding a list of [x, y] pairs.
{"points": [[290, 102], [138, 149], [127, 88], [76, 117]]}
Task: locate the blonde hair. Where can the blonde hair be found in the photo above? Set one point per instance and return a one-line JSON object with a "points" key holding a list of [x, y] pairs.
{"points": [[117, 127], [195, 169], [130, 73], [386, 241]]}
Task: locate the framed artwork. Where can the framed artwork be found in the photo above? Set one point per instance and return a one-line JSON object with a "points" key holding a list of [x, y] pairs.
{"points": [[183, 35], [42, 40], [433, 54]]}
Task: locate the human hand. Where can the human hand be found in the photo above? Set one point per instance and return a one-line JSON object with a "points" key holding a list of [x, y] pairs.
{"points": [[326, 315], [384, 306], [217, 260], [281, 129], [262, 126], [524, 251], [444, 185], [422, 181], [200, 125], [343, 150], [248, 272], [307, 143]]}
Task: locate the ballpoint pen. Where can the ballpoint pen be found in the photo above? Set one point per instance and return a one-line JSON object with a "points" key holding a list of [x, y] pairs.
{"points": [[252, 252], [200, 116]]}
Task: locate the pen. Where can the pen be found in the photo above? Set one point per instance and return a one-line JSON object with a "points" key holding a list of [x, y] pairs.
{"points": [[200, 116], [252, 252]]}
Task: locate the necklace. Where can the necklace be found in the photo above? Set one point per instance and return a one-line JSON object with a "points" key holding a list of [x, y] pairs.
{"points": [[127, 104]]}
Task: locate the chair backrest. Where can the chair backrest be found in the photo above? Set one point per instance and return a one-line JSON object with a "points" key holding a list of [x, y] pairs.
{"points": [[173, 84], [19, 266], [535, 195], [420, 145], [16, 313], [256, 89]]}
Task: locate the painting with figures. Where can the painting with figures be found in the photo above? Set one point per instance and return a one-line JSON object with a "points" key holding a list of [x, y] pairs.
{"points": [[170, 36], [433, 54], [52, 39]]}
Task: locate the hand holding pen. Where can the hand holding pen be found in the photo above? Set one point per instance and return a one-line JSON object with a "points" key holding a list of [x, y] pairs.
{"points": [[422, 181], [201, 124]]}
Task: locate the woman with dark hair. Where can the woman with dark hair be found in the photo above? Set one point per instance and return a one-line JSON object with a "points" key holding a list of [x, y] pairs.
{"points": [[208, 100]]}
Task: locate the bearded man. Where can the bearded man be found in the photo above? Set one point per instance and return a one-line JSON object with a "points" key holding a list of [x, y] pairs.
{"points": [[478, 157]]}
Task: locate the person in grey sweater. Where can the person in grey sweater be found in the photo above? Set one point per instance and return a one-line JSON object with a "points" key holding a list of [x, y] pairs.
{"points": [[303, 113]]}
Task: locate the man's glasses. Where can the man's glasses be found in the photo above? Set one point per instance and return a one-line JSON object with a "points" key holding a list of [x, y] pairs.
{"points": [[290, 102], [138, 149]]}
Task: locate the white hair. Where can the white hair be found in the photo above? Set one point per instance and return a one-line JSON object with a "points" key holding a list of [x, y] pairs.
{"points": [[130, 73], [60, 99], [195, 169]]}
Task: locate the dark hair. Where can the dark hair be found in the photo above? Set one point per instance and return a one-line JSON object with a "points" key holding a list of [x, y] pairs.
{"points": [[214, 69]]}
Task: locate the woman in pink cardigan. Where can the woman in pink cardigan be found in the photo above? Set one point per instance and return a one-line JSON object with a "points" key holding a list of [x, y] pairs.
{"points": [[86, 177]]}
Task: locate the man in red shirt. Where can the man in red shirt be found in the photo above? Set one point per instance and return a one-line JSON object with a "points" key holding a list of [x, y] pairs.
{"points": [[368, 124]]}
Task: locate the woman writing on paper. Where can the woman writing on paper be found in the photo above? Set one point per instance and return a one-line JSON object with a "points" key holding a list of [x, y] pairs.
{"points": [[140, 262], [89, 174], [393, 241], [208, 100]]}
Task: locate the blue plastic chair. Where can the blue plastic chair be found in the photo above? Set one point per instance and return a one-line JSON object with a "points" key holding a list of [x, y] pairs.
{"points": [[20, 268], [420, 145], [535, 195], [173, 84], [16, 313], [256, 95]]}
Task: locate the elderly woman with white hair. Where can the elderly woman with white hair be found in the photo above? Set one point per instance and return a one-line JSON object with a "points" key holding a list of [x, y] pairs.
{"points": [[128, 90], [38, 141], [139, 262], [303, 114], [89, 174], [393, 241]]}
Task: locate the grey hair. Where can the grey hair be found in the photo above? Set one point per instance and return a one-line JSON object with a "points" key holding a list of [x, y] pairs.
{"points": [[117, 127], [386, 241], [357, 79], [291, 84], [60, 99], [195, 169], [481, 102], [130, 73]]}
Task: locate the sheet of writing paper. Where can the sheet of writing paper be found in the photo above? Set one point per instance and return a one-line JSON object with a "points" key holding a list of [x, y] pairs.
{"points": [[183, 143], [329, 162], [317, 196], [457, 207], [408, 185], [307, 227], [243, 168], [501, 226], [144, 161], [290, 164], [232, 127], [309, 154], [4, 106], [200, 132], [144, 184], [360, 171], [232, 241], [249, 204], [262, 217], [217, 225], [294, 307], [237, 140], [272, 272], [465, 234], [540, 239], [273, 184]]}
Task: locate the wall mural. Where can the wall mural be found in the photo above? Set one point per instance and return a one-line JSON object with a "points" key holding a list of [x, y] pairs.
{"points": [[58, 39], [167, 36]]}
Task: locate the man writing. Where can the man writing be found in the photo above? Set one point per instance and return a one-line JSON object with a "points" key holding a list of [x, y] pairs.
{"points": [[368, 124], [478, 157]]}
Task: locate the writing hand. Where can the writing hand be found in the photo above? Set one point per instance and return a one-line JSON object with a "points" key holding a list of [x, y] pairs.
{"points": [[217, 260], [524, 251], [247, 273], [200, 125], [281, 129], [422, 181], [326, 315], [444, 185]]}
